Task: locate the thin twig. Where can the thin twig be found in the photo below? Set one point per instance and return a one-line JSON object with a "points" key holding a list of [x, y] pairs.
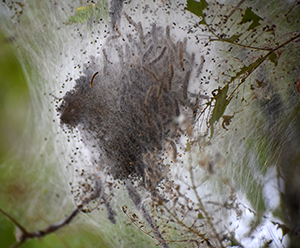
{"points": [[257, 65], [261, 60], [208, 218], [192, 230], [40, 233], [25, 235]]}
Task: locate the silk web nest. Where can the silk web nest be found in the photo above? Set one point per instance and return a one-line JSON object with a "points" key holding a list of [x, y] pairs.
{"points": [[131, 107]]}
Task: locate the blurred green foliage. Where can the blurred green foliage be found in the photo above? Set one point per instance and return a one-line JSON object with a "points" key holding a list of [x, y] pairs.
{"points": [[16, 189], [88, 13], [13, 109], [13, 96]]}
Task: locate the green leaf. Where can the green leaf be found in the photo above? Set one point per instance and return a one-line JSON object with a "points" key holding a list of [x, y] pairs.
{"points": [[221, 98], [188, 146], [220, 106], [84, 13], [248, 69], [230, 39], [233, 38], [250, 16], [197, 8], [273, 58]]}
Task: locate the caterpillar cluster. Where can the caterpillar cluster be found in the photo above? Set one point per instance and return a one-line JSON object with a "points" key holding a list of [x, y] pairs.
{"points": [[128, 103]]}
